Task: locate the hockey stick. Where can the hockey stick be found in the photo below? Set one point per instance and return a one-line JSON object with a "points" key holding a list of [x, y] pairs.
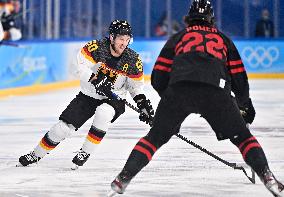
{"points": [[232, 165]]}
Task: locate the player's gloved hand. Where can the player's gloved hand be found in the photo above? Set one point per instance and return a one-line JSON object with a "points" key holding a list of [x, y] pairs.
{"points": [[248, 112], [102, 85], [145, 106]]}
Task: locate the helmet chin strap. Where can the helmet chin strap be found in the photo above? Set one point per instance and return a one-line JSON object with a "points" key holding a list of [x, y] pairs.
{"points": [[112, 43], [113, 48]]}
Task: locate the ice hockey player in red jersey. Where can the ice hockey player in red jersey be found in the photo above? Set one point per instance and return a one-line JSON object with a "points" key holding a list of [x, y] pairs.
{"points": [[195, 72], [104, 67]]}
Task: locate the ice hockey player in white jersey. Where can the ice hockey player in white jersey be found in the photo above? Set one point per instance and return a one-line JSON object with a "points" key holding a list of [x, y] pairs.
{"points": [[104, 67]]}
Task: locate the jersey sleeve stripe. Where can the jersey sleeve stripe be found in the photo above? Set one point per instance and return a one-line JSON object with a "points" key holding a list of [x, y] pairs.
{"points": [[178, 48], [162, 68], [234, 63], [237, 70], [137, 77], [88, 55], [165, 60]]}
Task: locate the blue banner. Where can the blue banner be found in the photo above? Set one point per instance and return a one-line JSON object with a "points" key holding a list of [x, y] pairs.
{"points": [[258, 56], [46, 62], [262, 56], [32, 64]]}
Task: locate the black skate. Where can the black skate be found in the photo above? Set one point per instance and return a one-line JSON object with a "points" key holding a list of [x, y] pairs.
{"points": [[119, 184], [28, 159], [271, 183], [80, 159]]}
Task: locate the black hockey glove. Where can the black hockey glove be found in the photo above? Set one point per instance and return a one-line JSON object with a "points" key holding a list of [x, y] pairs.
{"points": [[145, 106], [248, 112], [103, 86]]}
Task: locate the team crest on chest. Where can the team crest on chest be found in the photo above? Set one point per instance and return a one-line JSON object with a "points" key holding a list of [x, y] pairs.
{"points": [[110, 74]]}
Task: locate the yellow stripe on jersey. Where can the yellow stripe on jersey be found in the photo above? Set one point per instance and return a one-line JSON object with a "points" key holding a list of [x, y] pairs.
{"points": [[88, 55], [137, 78]]}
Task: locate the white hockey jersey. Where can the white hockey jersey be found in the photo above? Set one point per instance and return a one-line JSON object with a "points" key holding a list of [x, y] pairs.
{"points": [[126, 74]]}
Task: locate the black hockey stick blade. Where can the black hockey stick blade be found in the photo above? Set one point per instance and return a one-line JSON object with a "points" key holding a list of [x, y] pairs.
{"points": [[252, 178]]}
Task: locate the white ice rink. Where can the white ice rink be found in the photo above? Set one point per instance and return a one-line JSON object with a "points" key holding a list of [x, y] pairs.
{"points": [[177, 169]]}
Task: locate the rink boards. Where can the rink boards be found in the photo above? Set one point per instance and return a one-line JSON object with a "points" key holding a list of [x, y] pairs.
{"points": [[51, 63]]}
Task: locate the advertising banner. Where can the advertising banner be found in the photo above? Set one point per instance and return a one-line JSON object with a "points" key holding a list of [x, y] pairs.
{"points": [[258, 56], [262, 56], [33, 64], [47, 62]]}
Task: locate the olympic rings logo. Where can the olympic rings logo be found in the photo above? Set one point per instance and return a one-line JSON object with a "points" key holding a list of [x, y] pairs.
{"points": [[260, 56]]}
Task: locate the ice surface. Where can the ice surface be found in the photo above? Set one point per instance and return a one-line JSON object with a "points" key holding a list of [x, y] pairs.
{"points": [[176, 170]]}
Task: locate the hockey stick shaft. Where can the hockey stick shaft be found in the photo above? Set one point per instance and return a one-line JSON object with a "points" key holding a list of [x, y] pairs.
{"points": [[232, 165], [130, 106]]}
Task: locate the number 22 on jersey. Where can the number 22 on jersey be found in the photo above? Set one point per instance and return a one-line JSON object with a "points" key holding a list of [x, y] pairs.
{"points": [[202, 41]]}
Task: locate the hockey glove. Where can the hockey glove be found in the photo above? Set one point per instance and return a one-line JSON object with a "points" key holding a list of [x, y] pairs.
{"points": [[145, 106], [248, 112], [103, 86]]}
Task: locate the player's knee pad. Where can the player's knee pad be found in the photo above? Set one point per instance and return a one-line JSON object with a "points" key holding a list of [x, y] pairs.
{"points": [[60, 131], [103, 116], [241, 137], [159, 136], [156, 139]]}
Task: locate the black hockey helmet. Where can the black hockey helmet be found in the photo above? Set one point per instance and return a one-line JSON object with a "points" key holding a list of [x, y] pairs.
{"points": [[201, 10], [120, 27]]}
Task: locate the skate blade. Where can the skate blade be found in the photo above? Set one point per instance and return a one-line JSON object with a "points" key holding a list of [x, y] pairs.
{"points": [[111, 193], [75, 167]]}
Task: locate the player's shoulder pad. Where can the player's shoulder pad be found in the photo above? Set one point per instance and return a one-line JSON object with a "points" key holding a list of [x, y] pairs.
{"points": [[135, 66], [92, 46], [228, 41], [131, 54]]}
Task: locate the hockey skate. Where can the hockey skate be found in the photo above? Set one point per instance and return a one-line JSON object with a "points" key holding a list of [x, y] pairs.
{"points": [[271, 183], [119, 184], [80, 159], [28, 159]]}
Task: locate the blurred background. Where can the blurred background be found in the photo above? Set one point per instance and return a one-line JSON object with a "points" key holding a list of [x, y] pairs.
{"points": [[69, 19], [42, 37]]}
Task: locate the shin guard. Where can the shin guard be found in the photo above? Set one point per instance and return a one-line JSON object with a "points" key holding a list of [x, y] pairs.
{"points": [[93, 139], [140, 156], [253, 154]]}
